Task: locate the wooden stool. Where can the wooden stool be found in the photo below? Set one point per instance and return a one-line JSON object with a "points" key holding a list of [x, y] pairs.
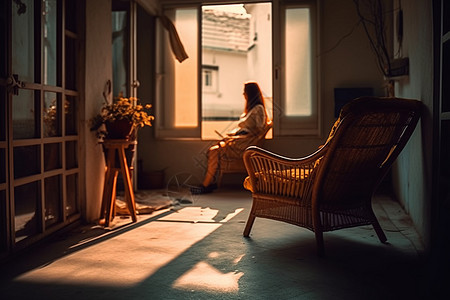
{"points": [[115, 150]]}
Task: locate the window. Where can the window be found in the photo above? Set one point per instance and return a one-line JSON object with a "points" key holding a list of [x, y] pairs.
{"points": [[209, 79], [227, 46], [297, 54], [178, 111], [299, 101]]}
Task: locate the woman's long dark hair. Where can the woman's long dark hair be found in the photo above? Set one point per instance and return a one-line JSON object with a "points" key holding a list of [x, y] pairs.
{"points": [[254, 96]]}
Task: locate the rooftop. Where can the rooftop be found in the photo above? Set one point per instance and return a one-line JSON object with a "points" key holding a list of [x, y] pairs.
{"points": [[225, 30]]}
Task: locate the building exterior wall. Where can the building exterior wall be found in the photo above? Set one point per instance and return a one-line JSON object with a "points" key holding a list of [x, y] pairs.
{"points": [[226, 100]]}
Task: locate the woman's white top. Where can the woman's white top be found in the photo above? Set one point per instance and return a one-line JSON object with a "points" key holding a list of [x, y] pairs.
{"points": [[254, 121]]}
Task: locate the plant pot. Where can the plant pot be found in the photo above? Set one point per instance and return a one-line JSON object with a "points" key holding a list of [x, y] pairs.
{"points": [[119, 129]]}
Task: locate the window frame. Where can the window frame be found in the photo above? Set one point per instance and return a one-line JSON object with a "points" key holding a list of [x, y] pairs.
{"points": [[165, 94], [284, 126]]}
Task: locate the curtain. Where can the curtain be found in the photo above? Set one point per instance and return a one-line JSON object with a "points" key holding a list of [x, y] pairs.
{"points": [[175, 42]]}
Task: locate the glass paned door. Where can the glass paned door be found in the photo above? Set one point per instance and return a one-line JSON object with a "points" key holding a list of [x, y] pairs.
{"points": [[39, 170]]}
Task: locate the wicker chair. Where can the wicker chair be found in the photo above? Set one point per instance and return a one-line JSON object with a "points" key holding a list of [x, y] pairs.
{"points": [[231, 160], [332, 188]]}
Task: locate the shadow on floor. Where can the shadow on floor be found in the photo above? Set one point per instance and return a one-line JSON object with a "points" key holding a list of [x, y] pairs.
{"points": [[198, 252]]}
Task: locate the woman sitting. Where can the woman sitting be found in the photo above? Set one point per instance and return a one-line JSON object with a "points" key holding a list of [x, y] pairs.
{"points": [[251, 123]]}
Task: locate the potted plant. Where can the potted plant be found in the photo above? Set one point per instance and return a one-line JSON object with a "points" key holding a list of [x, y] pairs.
{"points": [[120, 119]]}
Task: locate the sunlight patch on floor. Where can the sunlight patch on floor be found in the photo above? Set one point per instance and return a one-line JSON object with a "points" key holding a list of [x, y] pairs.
{"points": [[125, 260], [199, 215], [204, 277], [153, 245]]}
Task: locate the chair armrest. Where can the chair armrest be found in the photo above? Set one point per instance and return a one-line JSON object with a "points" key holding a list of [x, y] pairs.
{"points": [[236, 145], [270, 173]]}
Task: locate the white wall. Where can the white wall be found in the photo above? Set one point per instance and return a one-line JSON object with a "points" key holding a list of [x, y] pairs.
{"points": [[98, 71], [412, 173]]}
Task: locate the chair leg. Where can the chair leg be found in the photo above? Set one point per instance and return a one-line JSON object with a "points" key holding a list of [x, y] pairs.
{"points": [[219, 178], [248, 226], [320, 245], [317, 225], [380, 233], [376, 226]]}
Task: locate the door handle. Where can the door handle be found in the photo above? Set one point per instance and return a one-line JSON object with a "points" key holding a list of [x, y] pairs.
{"points": [[135, 84], [12, 84]]}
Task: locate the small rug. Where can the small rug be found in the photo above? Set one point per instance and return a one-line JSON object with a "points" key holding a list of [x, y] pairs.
{"points": [[147, 201]]}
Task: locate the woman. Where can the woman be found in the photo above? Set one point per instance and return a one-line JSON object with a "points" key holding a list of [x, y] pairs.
{"points": [[251, 123]]}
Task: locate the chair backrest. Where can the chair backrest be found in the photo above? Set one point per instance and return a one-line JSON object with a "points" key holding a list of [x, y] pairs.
{"points": [[262, 136], [370, 135], [236, 152]]}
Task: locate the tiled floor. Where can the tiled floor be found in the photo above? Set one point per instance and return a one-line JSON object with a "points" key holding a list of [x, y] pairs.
{"points": [[198, 252]]}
